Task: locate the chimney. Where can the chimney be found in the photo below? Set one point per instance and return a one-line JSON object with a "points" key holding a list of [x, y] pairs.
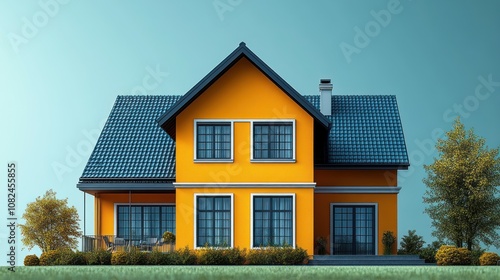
{"points": [[325, 91]]}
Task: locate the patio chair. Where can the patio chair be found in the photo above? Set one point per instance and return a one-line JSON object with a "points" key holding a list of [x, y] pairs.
{"points": [[149, 243], [119, 242], [110, 246]]}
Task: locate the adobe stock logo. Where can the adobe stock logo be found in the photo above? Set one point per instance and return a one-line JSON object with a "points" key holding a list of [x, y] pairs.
{"points": [[223, 6], [31, 27], [362, 37]]}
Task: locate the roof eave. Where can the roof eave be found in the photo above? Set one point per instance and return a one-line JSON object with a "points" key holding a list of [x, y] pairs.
{"points": [[363, 166], [93, 188]]}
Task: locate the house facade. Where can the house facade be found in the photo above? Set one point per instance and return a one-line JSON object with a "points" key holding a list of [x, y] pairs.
{"points": [[244, 160]]}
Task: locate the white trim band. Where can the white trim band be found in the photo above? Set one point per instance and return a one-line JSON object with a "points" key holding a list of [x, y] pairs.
{"points": [[244, 185], [374, 190]]}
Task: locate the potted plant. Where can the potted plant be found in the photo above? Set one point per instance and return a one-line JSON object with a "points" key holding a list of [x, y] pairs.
{"points": [[169, 238]]}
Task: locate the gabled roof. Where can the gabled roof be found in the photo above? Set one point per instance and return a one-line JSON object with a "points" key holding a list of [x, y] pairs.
{"points": [[167, 120], [132, 146], [365, 131]]}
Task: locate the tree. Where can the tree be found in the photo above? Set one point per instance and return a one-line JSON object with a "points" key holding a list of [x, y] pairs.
{"points": [[411, 244], [50, 223], [462, 194]]}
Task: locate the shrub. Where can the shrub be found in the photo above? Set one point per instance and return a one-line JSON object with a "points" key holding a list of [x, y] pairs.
{"points": [[291, 256], [321, 243], [136, 257], [429, 253], [259, 257], [451, 255], [411, 244], [69, 257], [213, 256], [157, 258], [31, 260], [475, 254], [173, 258], [50, 257], [236, 256], [119, 258], [99, 257], [388, 240], [489, 258], [277, 256], [185, 257]]}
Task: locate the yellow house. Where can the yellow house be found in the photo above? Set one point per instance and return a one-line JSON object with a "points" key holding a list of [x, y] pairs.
{"points": [[244, 160]]}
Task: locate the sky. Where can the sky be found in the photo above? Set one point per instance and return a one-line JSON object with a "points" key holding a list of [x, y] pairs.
{"points": [[63, 63]]}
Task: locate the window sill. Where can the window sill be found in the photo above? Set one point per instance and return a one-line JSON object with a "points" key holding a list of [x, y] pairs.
{"points": [[273, 160], [213, 161], [215, 248], [270, 247]]}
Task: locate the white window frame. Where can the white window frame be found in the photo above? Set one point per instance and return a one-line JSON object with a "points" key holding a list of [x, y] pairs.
{"points": [[196, 195], [294, 229], [272, 121], [115, 210], [354, 204], [212, 121]]}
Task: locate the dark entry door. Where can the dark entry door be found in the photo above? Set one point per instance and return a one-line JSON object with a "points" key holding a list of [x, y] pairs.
{"points": [[353, 229]]}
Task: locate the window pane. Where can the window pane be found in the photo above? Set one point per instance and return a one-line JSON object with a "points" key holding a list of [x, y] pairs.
{"points": [[273, 221], [145, 221], [213, 141], [273, 141], [213, 221]]}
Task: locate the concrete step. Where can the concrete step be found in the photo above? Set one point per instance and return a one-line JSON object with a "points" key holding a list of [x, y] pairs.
{"points": [[367, 260]]}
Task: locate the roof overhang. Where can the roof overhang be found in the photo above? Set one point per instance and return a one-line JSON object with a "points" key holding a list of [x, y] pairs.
{"points": [[362, 166], [114, 186], [167, 120]]}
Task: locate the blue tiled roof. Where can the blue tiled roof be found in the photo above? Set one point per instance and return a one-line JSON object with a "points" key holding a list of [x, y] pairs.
{"points": [[365, 129], [132, 145]]}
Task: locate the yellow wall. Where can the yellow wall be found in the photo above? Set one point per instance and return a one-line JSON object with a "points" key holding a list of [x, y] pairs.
{"points": [[387, 214], [304, 202], [355, 177], [243, 93], [104, 207]]}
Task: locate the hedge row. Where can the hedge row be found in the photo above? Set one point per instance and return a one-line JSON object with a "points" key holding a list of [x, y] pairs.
{"points": [[207, 256], [451, 255]]}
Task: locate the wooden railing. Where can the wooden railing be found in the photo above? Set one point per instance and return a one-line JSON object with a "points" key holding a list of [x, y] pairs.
{"points": [[113, 243]]}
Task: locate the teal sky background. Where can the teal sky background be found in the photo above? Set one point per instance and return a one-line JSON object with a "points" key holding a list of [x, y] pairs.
{"points": [[62, 64]]}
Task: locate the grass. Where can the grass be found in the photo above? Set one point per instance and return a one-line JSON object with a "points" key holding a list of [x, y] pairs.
{"points": [[252, 272]]}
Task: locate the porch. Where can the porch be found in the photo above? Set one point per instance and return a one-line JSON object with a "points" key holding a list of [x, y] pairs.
{"points": [[115, 243]]}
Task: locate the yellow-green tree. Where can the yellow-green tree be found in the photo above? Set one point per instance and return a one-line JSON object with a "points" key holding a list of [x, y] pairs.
{"points": [[50, 223], [462, 194]]}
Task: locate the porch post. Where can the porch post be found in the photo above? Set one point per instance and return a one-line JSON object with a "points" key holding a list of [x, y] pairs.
{"points": [[129, 219], [84, 219]]}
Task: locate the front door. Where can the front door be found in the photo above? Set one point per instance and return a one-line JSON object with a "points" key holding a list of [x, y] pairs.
{"points": [[353, 230]]}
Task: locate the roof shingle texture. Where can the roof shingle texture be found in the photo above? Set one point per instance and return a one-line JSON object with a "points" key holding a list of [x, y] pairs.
{"points": [[365, 130], [131, 144]]}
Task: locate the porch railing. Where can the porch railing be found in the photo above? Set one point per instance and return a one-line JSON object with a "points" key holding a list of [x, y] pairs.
{"points": [[114, 243]]}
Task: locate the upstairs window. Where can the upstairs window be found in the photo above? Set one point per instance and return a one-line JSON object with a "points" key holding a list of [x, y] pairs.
{"points": [[273, 141], [213, 141]]}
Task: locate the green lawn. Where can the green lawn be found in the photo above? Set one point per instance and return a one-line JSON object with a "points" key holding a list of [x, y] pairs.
{"points": [[252, 272]]}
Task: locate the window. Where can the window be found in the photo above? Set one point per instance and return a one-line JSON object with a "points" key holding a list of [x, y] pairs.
{"points": [[213, 141], [146, 221], [213, 221], [353, 230], [273, 141], [273, 221]]}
